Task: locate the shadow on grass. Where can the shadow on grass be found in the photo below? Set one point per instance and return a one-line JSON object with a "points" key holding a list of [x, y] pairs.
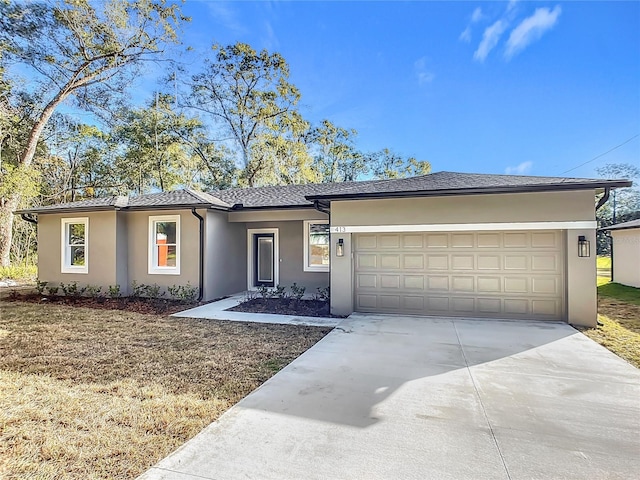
{"points": [[620, 292]]}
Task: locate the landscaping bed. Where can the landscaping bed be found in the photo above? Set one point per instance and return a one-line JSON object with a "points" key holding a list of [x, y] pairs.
{"points": [[305, 308], [92, 394]]}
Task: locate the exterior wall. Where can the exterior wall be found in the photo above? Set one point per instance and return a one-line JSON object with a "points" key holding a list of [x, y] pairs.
{"points": [[626, 256], [504, 208], [138, 253], [101, 255], [122, 253], [225, 256], [290, 235]]}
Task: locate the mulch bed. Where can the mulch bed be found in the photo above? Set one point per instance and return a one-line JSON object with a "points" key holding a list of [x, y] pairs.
{"points": [[286, 306], [158, 306]]}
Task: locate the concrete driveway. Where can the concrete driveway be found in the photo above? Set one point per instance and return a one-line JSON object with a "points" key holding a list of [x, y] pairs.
{"points": [[413, 398]]}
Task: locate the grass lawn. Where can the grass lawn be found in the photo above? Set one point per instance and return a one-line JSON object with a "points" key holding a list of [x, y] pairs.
{"points": [[619, 320], [603, 262], [106, 394]]}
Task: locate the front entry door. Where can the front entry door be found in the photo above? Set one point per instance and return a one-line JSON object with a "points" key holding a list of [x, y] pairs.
{"points": [[263, 259]]}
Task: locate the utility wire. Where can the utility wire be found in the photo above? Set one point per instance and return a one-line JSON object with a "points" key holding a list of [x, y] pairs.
{"points": [[602, 154]]}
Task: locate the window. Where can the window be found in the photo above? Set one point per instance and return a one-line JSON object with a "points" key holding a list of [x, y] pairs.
{"points": [[164, 245], [75, 245], [316, 246]]}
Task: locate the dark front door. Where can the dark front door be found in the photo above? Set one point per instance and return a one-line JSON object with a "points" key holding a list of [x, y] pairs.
{"points": [[263, 260]]}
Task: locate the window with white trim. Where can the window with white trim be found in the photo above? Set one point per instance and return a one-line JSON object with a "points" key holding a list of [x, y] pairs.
{"points": [[316, 246], [75, 245], [164, 245]]}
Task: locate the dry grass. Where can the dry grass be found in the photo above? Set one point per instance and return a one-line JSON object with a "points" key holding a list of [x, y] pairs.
{"points": [[619, 318], [105, 394]]}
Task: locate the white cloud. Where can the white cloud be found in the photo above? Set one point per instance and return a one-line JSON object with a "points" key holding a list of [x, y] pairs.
{"points": [[423, 74], [489, 40], [465, 36], [226, 16], [477, 15], [531, 29], [522, 169]]}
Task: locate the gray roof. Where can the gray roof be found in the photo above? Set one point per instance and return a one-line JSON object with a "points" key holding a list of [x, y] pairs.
{"points": [[451, 183], [624, 225], [175, 199], [287, 196]]}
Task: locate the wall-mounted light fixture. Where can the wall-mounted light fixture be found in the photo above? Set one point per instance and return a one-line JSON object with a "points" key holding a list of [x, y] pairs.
{"points": [[340, 248], [584, 247]]}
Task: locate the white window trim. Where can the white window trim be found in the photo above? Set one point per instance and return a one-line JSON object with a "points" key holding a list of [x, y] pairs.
{"points": [[65, 263], [154, 269], [250, 259], [305, 261]]}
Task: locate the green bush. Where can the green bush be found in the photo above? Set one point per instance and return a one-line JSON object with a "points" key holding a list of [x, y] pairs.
{"points": [[297, 292], [19, 272], [114, 291], [138, 289], [41, 286], [52, 289], [72, 290], [153, 291], [184, 293], [93, 291], [322, 294]]}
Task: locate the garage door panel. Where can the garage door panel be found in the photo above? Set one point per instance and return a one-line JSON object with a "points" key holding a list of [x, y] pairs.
{"points": [[500, 274]]}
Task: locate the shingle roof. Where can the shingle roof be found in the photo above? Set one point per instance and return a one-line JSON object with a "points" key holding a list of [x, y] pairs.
{"points": [[459, 183], [282, 196], [624, 225], [177, 198]]}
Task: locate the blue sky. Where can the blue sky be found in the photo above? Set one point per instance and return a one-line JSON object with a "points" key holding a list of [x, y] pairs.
{"points": [[490, 87]]}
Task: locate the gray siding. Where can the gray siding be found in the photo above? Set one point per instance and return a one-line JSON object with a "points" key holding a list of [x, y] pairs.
{"points": [[225, 256]]}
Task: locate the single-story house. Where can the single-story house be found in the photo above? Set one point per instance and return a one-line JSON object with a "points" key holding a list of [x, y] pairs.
{"points": [[448, 244], [625, 252]]}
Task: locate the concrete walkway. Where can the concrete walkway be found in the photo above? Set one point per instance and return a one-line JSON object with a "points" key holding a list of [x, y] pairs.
{"points": [[218, 311], [385, 397]]}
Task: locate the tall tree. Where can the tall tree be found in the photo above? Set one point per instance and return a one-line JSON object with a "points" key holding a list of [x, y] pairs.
{"points": [[248, 95], [77, 47], [387, 164], [335, 156]]}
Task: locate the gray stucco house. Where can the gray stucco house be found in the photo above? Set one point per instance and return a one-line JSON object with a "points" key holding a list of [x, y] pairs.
{"points": [[451, 244]]}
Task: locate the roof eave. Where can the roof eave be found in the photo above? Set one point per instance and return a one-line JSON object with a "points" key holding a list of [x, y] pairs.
{"points": [[472, 191], [112, 208]]}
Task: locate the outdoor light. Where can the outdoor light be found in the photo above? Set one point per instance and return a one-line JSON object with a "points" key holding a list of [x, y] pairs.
{"points": [[340, 248], [584, 249]]}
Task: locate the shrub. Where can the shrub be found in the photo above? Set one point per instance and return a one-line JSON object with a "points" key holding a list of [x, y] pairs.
{"points": [[52, 289], [114, 291], [184, 293], [41, 286], [322, 294], [264, 292], [153, 291], [72, 290], [93, 291], [297, 292], [279, 292], [138, 289]]}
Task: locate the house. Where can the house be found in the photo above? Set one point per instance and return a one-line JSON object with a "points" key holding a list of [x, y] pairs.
{"points": [[451, 244], [625, 252]]}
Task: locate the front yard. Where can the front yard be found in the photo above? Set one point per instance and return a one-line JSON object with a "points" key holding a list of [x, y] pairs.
{"points": [[619, 320], [106, 394]]}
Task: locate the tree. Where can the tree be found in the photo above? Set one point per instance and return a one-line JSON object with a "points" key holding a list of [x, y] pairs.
{"points": [[76, 48], [623, 204], [336, 159], [387, 164], [248, 95]]}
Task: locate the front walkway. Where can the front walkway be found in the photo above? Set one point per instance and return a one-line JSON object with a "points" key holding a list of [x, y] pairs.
{"points": [[389, 397], [218, 311]]}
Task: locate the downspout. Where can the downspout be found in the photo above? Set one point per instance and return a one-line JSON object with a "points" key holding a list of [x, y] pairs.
{"points": [[201, 265], [29, 218]]}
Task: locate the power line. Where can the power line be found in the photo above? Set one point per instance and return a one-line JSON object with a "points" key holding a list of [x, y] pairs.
{"points": [[602, 154]]}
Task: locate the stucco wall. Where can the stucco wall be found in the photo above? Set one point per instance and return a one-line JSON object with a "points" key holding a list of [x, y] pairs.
{"points": [[626, 257], [290, 234], [101, 254], [138, 242], [505, 208], [225, 256]]}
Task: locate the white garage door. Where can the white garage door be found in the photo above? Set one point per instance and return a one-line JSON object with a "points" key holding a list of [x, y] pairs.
{"points": [[482, 274]]}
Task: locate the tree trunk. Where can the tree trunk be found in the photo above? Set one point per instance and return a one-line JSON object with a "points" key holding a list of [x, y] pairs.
{"points": [[6, 227]]}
